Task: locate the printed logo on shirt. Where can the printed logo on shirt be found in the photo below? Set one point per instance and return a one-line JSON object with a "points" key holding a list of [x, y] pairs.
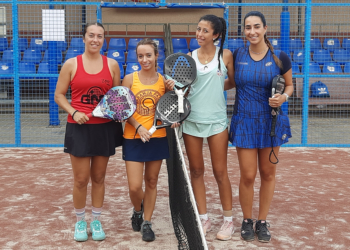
{"points": [[243, 63], [93, 96], [107, 82], [268, 64], [146, 101]]}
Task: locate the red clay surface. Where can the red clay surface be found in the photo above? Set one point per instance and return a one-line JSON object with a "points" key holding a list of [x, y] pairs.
{"points": [[310, 209]]}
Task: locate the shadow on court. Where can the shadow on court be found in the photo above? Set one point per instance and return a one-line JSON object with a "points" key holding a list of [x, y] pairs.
{"points": [[310, 209]]}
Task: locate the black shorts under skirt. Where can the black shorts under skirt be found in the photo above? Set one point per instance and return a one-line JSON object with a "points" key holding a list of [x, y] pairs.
{"points": [[154, 150], [93, 139]]}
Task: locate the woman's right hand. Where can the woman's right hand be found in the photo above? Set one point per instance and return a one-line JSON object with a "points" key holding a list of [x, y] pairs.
{"points": [[144, 134], [80, 118]]}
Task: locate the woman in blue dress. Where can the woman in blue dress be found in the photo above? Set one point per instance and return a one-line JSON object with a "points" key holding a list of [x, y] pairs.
{"points": [[254, 68]]}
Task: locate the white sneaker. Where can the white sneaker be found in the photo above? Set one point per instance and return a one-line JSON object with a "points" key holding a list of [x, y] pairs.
{"points": [[226, 231]]}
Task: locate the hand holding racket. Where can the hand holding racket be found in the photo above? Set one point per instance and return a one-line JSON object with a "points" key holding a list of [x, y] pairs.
{"points": [[180, 68], [278, 86], [118, 104], [166, 113]]}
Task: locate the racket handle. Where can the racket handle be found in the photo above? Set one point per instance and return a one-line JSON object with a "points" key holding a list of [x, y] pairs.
{"points": [[180, 100], [152, 130], [89, 115], [273, 126]]}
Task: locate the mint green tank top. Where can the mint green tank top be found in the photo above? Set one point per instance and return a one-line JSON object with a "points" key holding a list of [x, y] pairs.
{"points": [[206, 95]]}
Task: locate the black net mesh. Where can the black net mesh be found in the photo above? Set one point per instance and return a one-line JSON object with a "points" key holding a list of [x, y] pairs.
{"points": [[182, 209]]}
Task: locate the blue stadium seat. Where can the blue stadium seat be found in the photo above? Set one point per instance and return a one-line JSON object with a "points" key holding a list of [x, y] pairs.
{"points": [[38, 44], [22, 44], [295, 44], [347, 68], [131, 56], [332, 67], [104, 46], [315, 44], [298, 57], [73, 53], [121, 70], [26, 68], [160, 68], [6, 68], [117, 44], [346, 43], [179, 43], [117, 55], [161, 56], [194, 44], [185, 51], [322, 56], [234, 44], [3, 44], [276, 43], [61, 46], [44, 68], [160, 43], [57, 58], [295, 68], [314, 68], [132, 67], [32, 56], [341, 56], [133, 43], [77, 43], [331, 44], [7, 56]]}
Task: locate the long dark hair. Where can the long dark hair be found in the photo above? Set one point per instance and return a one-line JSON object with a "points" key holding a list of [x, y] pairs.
{"points": [[148, 41], [91, 24], [263, 20], [218, 24]]}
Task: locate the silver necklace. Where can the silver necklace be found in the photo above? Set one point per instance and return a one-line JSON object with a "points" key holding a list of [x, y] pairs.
{"points": [[150, 79], [257, 53]]}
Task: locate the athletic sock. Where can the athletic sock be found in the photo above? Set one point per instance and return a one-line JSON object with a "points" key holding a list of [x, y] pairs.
{"points": [[203, 216], [80, 213], [96, 213], [229, 219], [227, 215]]}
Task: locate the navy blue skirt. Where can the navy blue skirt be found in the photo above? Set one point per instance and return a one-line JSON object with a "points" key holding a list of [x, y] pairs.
{"points": [[154, 150]]}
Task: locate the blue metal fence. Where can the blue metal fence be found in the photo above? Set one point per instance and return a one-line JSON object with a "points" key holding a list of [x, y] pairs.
{"points": [[321, 128]]}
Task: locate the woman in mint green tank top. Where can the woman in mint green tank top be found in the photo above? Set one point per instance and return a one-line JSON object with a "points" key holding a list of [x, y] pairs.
{"points": [[208, 119]]}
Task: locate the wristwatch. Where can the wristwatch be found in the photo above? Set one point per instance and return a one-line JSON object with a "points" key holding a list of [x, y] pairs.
{"points": [[287, 96]]}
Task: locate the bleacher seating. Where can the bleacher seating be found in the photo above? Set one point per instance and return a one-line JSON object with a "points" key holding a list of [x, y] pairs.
{"points": [[185, 51], [77, 43], [234, 44], [131, 56], [194, 44], [295, 68], [26, 68], [6, 68], [117, 44], [117, 55], [44, 68], [38, 44], [32, 56], [62, 46], [121, 67], [331, 44], [295, 45], [346, 43], [347, 68], [57, 58], [315, 44], [179, 43], [3, 44], [341, 56], [73, 53], [314, 68], [276, 43], [161, 56], [322, 56], [160, 43], [22, 44], [7, 56], [133, 43], [104, 46], [132, 67], [298, 57], [160, 68], [332, 67]]}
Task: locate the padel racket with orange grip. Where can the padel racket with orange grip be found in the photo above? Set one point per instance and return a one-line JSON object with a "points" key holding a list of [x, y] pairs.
{"points": [[118, 104]]}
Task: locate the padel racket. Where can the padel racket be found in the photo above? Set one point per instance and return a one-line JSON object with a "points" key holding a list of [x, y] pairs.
{"points": [[182, 69], [118, 104], [166, 111], [277, 87]]}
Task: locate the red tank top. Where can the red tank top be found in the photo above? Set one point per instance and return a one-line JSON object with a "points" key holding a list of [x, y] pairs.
{"points": [[88, 89]]}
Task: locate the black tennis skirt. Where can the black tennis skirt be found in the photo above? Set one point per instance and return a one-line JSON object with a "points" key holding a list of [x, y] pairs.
{"points": [[154, 150], [93, 139]]}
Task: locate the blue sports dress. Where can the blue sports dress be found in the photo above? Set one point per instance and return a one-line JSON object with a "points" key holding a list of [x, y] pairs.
{"points": [[251, 120]]}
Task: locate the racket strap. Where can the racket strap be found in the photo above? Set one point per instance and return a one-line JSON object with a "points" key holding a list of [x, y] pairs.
{"points": [[273, 153]]}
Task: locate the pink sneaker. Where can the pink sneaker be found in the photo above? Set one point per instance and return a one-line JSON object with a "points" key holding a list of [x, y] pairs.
{"points": [[226, 231], [206, 224]]}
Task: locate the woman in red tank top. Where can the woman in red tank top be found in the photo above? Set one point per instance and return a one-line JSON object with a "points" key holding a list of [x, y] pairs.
{"points": [[90, 142]]}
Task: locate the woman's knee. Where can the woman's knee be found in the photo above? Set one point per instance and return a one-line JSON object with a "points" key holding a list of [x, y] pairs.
{"points": [[220, 176], [81, 181], [196, 172], [98, 179], [151, 183], [135, 189], [248, 179], [267, 175]]}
